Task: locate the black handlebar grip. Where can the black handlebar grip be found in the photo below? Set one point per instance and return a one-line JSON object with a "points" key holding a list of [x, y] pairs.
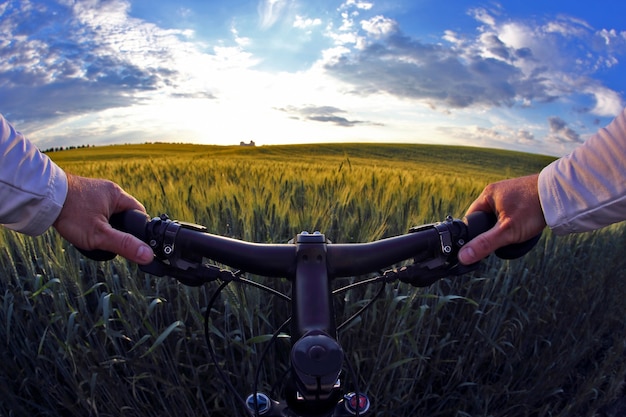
{"points": [[517, 250], [480, 221], [131, 221]]}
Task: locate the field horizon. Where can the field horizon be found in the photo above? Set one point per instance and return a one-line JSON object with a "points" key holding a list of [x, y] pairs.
{"points": [[362, 148]]}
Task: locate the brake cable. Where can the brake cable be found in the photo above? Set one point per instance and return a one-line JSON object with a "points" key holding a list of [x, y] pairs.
{"points": [[210, 348]]}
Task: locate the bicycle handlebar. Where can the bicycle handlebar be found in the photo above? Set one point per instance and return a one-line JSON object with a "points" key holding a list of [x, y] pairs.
{"points": [[310, 262], [345, 259]]}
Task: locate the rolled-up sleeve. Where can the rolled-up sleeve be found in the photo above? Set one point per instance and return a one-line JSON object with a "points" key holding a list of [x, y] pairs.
{"points": [[586, 190], [32, 187]]}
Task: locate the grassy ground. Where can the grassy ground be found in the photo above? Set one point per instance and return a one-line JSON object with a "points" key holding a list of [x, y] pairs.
{"points": [[540, 336]]}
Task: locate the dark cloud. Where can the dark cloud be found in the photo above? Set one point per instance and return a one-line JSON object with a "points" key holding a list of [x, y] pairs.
{"points": [[560, 132], [324, 114], [408, 68], [26, 103], [494, 45], [524, 136], [196, 95]]}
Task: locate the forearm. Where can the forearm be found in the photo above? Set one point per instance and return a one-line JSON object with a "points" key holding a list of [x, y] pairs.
{"points": [[32, 187], [586, 190]]}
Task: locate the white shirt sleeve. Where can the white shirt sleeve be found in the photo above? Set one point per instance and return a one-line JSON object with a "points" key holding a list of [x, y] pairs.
{"points": [[32, 187], [586, 190]]}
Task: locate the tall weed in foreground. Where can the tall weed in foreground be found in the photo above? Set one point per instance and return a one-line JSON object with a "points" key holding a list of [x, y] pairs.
{"points": [[540, 336]]}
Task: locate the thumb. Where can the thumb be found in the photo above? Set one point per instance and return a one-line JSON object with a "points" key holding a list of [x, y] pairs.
{"points": [[481, 246]]}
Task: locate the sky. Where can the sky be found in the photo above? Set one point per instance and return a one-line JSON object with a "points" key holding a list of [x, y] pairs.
{"points": [[536, 76]]}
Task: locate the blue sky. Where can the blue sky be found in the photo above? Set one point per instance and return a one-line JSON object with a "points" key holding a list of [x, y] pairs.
{"points": [[536, 76]]}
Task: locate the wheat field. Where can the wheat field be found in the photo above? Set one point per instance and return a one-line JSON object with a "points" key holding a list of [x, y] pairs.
{"points": [[539, 336]]}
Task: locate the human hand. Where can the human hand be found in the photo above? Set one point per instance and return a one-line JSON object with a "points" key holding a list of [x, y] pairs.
{"points": [[516, 205], [84, 219]]}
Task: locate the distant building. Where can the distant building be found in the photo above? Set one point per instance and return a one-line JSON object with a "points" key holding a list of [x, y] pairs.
{"points": [[242, 143]]}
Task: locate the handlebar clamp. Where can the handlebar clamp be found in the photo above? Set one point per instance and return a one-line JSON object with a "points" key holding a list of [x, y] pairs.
{"points": [[443, 262], [161, 235], [451, 237], [445, 239]]}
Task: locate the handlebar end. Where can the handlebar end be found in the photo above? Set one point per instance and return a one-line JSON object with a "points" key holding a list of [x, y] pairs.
{"points": [[480, 221]]}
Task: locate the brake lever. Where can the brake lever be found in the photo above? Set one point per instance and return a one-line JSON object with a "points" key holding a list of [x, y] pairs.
{"points": [[424, 272], [452, 235], [193, 277], [419, 275], [161, 235]]}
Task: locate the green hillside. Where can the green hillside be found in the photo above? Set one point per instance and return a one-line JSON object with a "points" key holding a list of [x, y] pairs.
{"points": [[457, 158]]}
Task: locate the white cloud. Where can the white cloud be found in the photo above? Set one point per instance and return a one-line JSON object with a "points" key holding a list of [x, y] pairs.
{"points": [[544, 49], [568, 27], [239, 40], [270, 11], [453, 38], [496, 136], [483, 16], [611, 41], [379, 26], [347, 22], [306, 23], [363, 5], [608, 103], [184, 12]]}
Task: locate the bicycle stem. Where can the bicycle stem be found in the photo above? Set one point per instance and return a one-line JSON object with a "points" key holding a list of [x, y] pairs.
{"points": [[316, 356], [311, 288]]}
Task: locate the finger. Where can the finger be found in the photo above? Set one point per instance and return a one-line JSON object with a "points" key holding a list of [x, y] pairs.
{"points": [[482, 203], [127, 202], [479, 205], [127, 246]]}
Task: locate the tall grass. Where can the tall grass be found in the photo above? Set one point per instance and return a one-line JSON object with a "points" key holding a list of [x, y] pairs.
{"points": [[540, 336]]}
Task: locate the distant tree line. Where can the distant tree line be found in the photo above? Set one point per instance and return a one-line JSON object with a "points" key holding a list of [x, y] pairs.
{"points": [[66, 148]]}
